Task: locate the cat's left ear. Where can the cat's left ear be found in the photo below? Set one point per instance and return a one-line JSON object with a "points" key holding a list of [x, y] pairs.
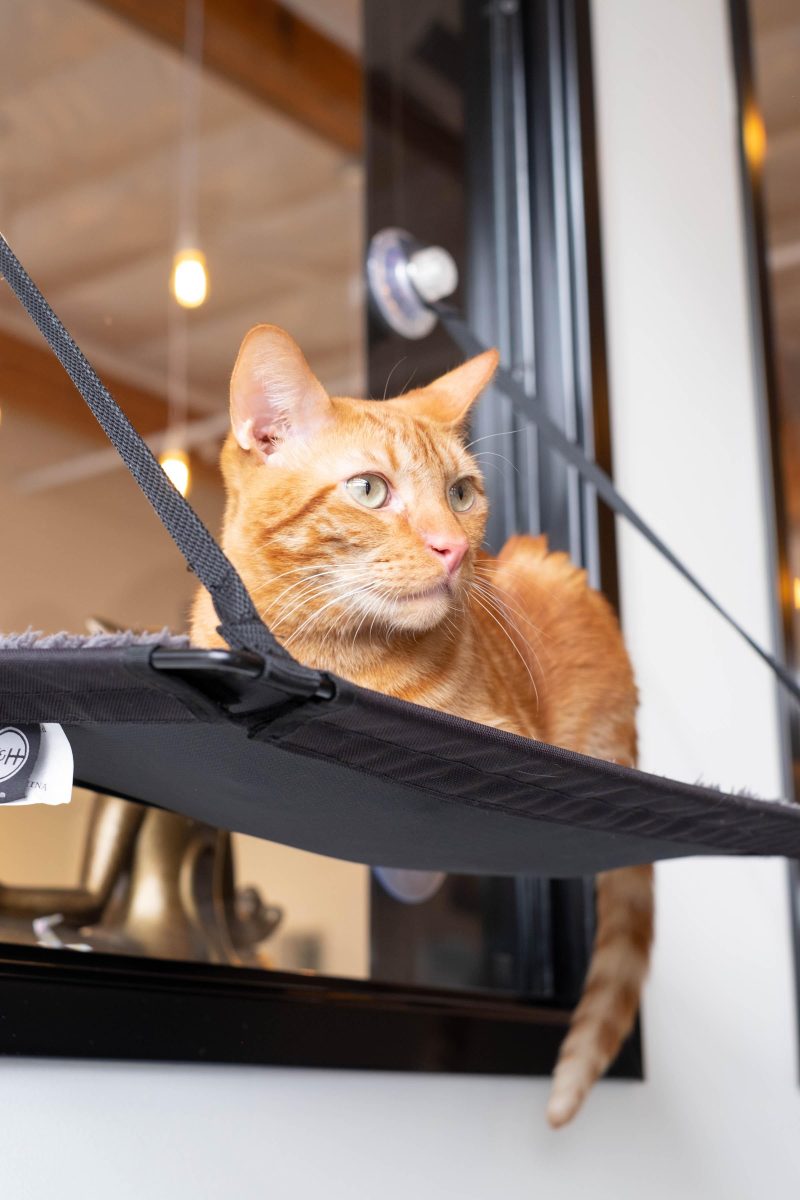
{"points": [[450, 397], [275, 396]]}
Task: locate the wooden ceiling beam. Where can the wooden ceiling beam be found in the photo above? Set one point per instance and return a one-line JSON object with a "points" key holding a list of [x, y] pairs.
{"points": [[32, 378], [267, 51]]}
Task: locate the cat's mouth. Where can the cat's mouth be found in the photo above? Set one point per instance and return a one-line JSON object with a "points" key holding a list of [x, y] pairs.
{"points": [[422, 608], [439, 591]]}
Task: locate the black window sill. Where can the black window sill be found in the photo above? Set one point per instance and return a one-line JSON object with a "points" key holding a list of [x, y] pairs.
{"points": [[68, 1004]]}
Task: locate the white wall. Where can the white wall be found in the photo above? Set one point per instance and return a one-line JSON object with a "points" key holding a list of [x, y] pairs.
{"points": [[718, 1116]]}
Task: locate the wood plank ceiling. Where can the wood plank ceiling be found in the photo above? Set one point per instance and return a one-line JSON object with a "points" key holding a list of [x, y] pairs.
{"points": [[90, 132], [91, 108]]}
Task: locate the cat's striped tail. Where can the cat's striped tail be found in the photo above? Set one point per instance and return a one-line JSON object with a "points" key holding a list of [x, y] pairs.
{"points": [[610, 1000]]}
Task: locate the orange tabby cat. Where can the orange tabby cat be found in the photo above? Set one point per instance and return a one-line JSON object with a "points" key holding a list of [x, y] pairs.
{"points": [[357, 528]]}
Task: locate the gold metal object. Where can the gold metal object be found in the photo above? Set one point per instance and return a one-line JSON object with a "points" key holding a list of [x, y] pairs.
{"points": [[151, 883]]}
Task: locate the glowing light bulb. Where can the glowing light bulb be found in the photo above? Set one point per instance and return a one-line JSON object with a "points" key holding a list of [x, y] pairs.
{"points": [[176, 466], [754, 136], [189, 278]]}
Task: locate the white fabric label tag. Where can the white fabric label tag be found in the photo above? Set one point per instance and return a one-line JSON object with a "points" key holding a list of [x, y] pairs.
{"points": [[51, 778]]}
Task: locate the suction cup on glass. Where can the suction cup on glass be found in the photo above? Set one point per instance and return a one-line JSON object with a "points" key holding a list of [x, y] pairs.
{"points": [[409, 887], [405, 277]]}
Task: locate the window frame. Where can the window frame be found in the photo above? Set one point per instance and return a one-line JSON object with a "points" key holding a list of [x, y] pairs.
{"points": [[62, 1003]]}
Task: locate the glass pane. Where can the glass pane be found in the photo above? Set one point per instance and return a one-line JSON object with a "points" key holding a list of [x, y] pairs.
{"points": [[775, 145], [114, 153], [120, 148]]}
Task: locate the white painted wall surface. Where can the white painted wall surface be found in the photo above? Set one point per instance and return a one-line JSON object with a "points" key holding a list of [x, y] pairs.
{"points": [[719, 1117]]}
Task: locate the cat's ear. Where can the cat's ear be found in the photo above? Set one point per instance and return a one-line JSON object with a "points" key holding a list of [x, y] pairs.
{"points": [[450, 397], [274, 393]]}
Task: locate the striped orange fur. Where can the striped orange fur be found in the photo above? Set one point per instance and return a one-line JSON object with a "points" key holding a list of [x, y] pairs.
{"points": [[399, 597]]}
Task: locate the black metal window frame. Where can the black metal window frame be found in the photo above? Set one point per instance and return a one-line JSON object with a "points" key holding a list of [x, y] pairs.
{"points": [[536, 291], [535, 288]]}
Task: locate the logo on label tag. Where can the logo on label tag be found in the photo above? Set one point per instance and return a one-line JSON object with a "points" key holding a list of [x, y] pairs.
{"points": [[14, 751]]}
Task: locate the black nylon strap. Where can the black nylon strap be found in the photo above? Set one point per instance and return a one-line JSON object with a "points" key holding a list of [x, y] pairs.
{"points": [[530, 407], [240, 624]]}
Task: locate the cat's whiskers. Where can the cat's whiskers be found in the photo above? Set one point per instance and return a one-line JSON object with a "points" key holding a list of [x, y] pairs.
{"points": [[493, 616], [391, 373], [364, 616], [488, 575], [451, 630], [298, 583], [299, 595], [487, 436], [310, 580], [409, 381], [300, 604], [344, 575], [489, 589], [378, 612], [550, 588], [313, 591], [363, 590], [495, 454], [310, 590], [489, 592], [314, 616], [304, 567], [383, 613], [311, 572], [307, 571], [476, 595], [385, 607], [370, 590], [314, 584], [339, 598]]}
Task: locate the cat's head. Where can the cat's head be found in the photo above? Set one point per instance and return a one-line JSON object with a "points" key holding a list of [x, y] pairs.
{"points": [[346, 513]]}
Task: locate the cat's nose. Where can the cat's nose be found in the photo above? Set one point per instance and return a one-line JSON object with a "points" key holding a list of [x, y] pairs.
{"points": [[450, 550]]}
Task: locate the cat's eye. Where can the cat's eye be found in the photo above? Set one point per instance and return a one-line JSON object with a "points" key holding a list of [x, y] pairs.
{"points": [[462, 495], [370, 490]]}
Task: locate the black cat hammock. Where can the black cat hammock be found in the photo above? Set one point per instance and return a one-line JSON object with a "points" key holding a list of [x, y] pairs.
{"points": [[249, 740]]}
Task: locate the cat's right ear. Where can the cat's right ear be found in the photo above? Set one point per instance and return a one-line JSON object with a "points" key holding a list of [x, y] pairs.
{"points": [[275, 395]]}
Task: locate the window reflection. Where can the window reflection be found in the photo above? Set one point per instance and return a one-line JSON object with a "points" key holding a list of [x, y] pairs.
{"points": [[102, 165], [772, 141]]}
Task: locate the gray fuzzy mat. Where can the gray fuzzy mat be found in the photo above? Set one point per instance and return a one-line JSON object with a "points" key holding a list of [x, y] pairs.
{"points": [[32, 639]]}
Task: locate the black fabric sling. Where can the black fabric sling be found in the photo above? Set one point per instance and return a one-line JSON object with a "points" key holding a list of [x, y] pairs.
{"points": [[253, 741]]}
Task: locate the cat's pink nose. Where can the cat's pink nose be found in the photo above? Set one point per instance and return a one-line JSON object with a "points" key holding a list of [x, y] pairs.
{"points": [[450, 550]]}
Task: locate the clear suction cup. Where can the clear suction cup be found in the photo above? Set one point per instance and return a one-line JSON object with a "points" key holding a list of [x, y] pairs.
{"points": [[409, 887], [405, 277]]}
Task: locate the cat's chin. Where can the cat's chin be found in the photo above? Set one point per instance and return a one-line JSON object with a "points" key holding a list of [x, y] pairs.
{"points": [[423, 610]]}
